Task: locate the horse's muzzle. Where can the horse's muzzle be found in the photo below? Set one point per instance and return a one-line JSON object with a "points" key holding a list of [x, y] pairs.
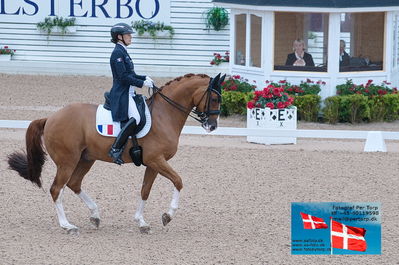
{"points": [[210, 126]]}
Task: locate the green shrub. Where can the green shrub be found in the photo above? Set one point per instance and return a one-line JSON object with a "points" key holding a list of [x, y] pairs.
{"points": [[354, 108], [377, 108], [331, 109], [391, 104], [308, 107], [235, 102]]}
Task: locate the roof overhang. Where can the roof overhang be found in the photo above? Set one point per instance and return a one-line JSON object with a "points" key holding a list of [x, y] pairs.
{"points": [[306, 9]]}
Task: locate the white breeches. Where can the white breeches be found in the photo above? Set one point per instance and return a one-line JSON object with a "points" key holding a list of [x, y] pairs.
{"points": [[132, 111]]}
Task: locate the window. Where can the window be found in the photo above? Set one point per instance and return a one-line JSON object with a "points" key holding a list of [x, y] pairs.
{"points": [[301, 41], [240, 41], [362, 36], [256, 41]]}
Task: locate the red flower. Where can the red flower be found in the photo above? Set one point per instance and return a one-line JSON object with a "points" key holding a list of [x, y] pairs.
{"points": [[212, 62], [250, 105], [280, 105], [366, 91], [5, 47], [309, 81], [276, 91], [270, 105], [323, 83], [236, 76], [234, 87], [282, 81]]}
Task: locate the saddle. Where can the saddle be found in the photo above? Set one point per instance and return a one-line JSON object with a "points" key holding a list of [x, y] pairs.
{"points": [[107, 127]]}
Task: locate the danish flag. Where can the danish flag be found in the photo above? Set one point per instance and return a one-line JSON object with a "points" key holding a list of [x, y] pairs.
{"points": [[313, 222], [347, 237]]}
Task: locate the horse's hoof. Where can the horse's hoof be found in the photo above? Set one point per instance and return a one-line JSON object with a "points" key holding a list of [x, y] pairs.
{"points": [[73, 231], [145, 229], [166, 219], [95, 222]]}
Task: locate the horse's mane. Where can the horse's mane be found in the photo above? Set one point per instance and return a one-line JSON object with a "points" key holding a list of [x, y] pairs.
{"points": [[184, 76], [151, 98]]}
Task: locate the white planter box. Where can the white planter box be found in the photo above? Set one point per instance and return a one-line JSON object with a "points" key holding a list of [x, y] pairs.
{"points": [[5, 57], [58, 30], [272, 119], [223, 68], [165, 34]]}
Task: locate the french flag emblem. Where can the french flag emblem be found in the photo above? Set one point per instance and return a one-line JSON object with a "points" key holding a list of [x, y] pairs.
{"points": [[106, 129]]}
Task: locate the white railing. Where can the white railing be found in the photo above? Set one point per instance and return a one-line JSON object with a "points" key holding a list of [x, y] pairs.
{"points": [[375, 140]]}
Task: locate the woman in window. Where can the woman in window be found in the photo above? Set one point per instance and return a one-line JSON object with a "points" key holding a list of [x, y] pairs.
{"points": [[299, 57]]}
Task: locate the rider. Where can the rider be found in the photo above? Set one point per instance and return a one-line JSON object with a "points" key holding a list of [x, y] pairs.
{"points": [[123, 107]]}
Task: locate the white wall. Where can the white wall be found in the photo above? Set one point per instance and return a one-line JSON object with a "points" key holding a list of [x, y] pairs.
{"points": [[87, 51]]}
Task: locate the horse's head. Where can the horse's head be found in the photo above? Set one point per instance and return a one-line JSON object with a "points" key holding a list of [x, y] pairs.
{"points": [[208, 103]]}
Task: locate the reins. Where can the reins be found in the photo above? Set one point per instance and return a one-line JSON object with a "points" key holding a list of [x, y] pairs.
{"points": [[202, 116]]}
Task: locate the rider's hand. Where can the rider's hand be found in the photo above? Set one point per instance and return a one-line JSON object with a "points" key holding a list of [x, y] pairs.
{"points": [[148, 83], [149, 79]]}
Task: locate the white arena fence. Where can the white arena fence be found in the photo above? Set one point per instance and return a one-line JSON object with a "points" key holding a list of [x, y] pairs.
{"points": [[374, 140]]}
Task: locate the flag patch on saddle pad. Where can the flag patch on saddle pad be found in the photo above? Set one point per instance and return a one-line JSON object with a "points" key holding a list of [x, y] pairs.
{"points": [[107, 129], [105, 126]]}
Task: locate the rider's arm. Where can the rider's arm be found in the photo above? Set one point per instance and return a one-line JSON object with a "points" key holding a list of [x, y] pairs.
{"points": [[126, 76]]}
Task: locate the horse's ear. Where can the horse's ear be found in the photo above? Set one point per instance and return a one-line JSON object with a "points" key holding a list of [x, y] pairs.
{"points": [[215, 82], [222, 79]]}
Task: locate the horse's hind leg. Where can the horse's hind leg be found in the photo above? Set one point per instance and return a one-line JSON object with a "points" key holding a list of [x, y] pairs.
{"points": [[63, 175], [149, 177], [75, 183]]}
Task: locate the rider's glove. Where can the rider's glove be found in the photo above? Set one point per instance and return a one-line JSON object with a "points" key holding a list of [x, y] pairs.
{"points": [[148, 83], [149, 79]]}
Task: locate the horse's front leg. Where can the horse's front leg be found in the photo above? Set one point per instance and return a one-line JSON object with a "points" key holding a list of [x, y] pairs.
{"points": [[167, 171], [149, 177]]}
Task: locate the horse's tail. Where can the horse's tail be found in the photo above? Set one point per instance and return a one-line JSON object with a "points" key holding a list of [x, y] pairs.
{"points": [[29, 165]]}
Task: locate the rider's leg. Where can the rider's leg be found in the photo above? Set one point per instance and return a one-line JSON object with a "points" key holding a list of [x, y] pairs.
{"points": [[120, 141]]}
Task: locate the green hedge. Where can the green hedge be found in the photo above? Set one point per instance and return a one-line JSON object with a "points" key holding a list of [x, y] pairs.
{"points": [[349, 108], [235, 102], [308, 107]]}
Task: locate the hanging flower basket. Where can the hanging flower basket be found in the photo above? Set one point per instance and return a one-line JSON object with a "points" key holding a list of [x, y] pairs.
{"points": [[5, 57]]}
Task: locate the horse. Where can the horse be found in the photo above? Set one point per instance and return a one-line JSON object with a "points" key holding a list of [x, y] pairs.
{"points": [[70, 138]]}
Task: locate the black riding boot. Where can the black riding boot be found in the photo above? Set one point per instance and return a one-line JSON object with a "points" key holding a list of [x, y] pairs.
{"points": [[117, 148]]}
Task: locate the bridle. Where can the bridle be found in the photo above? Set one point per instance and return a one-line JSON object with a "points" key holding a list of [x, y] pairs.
{"points": [[202, 116]]}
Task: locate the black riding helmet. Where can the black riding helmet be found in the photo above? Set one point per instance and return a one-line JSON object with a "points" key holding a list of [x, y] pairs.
{"points": [[120, 29]]}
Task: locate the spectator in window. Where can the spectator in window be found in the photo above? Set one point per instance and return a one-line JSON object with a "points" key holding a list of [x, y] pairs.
{"points": [[343, 55], [299, 57]]}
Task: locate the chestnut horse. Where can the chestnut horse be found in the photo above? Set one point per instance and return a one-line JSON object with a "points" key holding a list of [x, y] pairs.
{"points": [[71, 140]]}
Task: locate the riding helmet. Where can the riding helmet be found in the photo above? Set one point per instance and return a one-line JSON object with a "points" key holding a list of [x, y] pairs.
{"points": [[120, 29]]}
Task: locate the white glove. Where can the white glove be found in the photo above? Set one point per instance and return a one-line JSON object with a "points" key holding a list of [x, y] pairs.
{"points": [[148, 83], [149, 79]]}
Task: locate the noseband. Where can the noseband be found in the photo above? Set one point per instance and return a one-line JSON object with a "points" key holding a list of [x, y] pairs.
{"points": [[203, 116]]}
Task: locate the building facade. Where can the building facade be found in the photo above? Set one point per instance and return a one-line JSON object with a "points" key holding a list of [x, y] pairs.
{"points": [[262, 33], [87, 50]]}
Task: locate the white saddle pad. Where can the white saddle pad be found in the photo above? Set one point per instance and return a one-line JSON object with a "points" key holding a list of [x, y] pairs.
{"points": [[107, 127]]}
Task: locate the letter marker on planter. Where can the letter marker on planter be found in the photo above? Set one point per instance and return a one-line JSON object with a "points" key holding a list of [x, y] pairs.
{"points": [[265, 118], [375, 142]]}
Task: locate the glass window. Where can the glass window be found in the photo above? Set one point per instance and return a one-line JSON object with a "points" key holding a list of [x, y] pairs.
{"points": [[240, 44], [256, 41], [361, 41], [301, 41]]}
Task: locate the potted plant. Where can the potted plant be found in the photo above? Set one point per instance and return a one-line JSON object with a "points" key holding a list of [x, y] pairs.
{"points": [[151, 29], [216, 18], [57, 25], [271, 108], [6, 53], [219, 59]]}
